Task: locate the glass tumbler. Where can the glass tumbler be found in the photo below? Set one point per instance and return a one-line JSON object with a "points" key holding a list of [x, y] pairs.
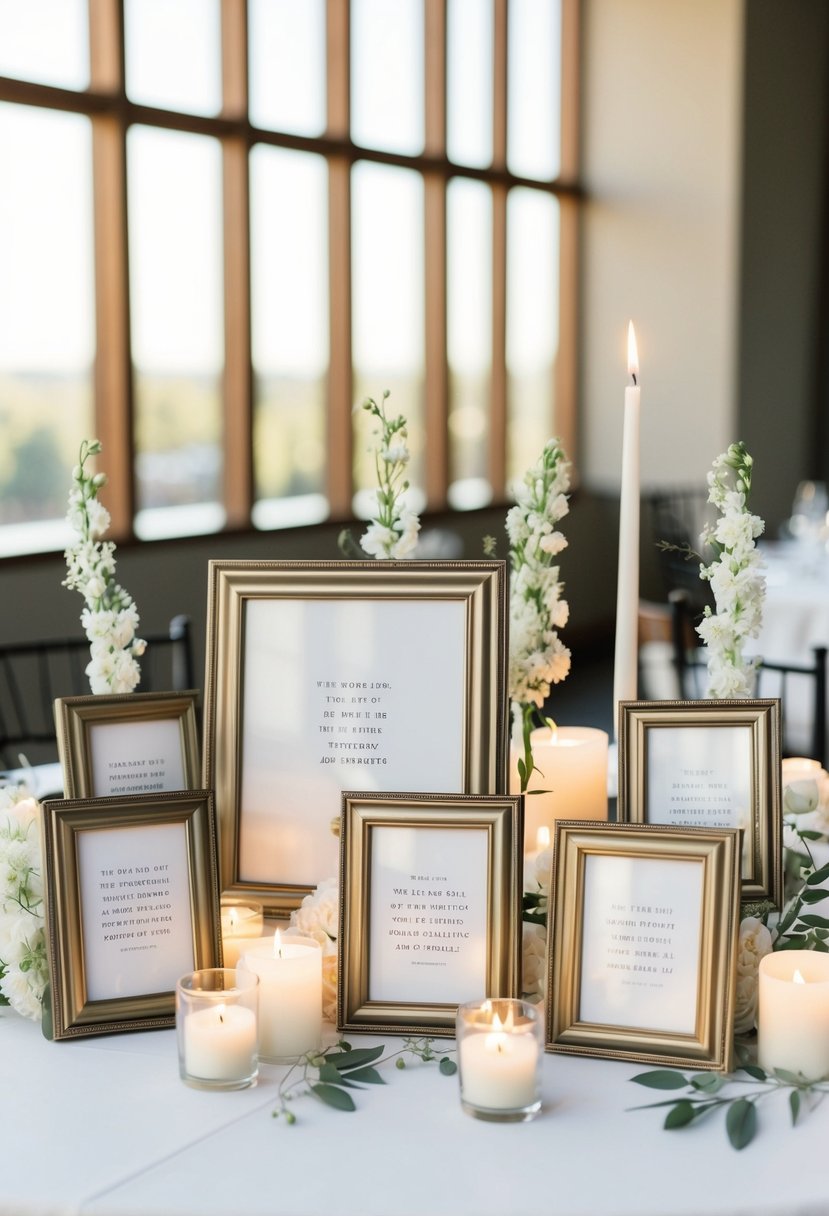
{"points": [[216, 1027], [500, 1048]]}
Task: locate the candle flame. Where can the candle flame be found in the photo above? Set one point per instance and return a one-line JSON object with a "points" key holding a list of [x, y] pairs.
{"points": [[277, 945], [542, 838], [633, 354], [497, 1040], [798, 978]]}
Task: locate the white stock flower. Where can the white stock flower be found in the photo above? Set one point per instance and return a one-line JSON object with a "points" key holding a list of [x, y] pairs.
{"points": [[755, 943]]}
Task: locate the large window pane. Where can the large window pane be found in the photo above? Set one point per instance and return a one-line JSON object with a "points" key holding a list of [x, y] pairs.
{"points": [[387, 236], [387, 74], [177, 335], [289, 263], [287, 65], [532, 324], [469, 82], [534, 76], [469, 339], [173, 54], [47, 340], [46, 41]]}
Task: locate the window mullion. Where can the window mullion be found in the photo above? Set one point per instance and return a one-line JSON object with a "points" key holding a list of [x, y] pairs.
{"points": [[498, 387], [113, 359], [436, 411], [238, 378], [340, 437]]}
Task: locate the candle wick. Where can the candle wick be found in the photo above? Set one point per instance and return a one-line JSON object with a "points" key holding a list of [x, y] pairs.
{"points": [[221, 1019], [633, 377]]}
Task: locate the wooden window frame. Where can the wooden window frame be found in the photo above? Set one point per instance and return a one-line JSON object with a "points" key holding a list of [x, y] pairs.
{"points": [[112, 113]]}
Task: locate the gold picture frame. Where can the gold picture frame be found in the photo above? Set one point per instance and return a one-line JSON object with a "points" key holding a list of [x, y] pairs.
{"points": [[325, 676], [131, 904], [430, 908], [128, 745], [709, 764], [642, 943]]}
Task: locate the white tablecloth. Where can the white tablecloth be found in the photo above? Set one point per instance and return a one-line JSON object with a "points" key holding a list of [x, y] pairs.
{"points": [[105, 1126], [795, 619]]}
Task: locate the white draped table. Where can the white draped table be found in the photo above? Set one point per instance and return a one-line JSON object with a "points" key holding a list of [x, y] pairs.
{"points": [[105, 1126]]}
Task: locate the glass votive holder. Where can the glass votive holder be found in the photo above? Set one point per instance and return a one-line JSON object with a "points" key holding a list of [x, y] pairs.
{"points": [[216, 1019], [500, 1048], [289, 968], [241, 921]]}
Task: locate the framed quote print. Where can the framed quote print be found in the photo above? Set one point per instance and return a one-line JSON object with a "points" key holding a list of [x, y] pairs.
{"points": [[132, 744], [131, 905], [430, 908], [327, 676], [712, 764], [642, 943]]}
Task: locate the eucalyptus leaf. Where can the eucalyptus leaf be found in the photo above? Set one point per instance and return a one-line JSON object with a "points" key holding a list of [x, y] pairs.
{"points": [[808, 834], [797, 941], [754, 1070], [822, 947], [368, 1075], [331, 1076], [522, 772], [448, 1067], [813, 895], [661, 1078], [819, 876], [530, 793], [332, 1095], [708, 1082], [812, 918], [794, 1105], [682, 1114], [344, 1060], [790, 1078], [741, 1123]]}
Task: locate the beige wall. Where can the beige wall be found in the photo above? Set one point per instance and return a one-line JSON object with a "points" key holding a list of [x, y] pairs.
{"points": [[662, 121]]}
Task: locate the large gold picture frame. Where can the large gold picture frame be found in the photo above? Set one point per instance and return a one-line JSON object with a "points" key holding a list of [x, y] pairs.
{"points": [[642, 943], [430, 908], [709, 764], [325, 676], [131, 904], [122, 729]]}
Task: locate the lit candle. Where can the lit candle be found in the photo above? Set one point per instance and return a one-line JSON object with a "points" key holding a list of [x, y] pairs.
{"points": [[793, 1014], [627, 585], [571, 767], [498, 1059], [290, 994], [220, 1043], [240, 923]]}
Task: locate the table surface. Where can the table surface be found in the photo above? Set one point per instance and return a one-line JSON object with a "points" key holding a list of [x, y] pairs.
{"points": [[105, 1126]]}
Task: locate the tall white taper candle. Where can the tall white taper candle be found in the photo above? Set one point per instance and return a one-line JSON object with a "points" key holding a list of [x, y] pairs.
{"points": [[627, 587]]}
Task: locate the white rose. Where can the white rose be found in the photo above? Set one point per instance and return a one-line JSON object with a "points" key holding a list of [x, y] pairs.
{"points": [[755, 943], [319, 911], [534, 962]]}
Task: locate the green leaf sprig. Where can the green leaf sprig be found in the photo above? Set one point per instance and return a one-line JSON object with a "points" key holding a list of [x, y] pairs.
{"points": [[708, 1092], [334, 1074], [799, 928]]}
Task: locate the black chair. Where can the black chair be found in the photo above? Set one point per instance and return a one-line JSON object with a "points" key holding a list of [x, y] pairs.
{"points": [[33, 674], [677, 518], [773, 679]]}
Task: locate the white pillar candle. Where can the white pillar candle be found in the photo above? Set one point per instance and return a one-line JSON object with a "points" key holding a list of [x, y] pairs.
{"points": [[571, 765], [240, 923], [498, 1058], [793, 1014], [220, 1043], [627, 585], [290, 994]]}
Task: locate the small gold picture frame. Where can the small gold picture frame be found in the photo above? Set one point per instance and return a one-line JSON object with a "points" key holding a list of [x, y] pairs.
{"points": [[131, 905], [709, 764], [430, 908], [644, 925], [128, 745], [325, 676]]}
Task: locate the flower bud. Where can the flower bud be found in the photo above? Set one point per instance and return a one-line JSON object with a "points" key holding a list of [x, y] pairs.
{"points": [[100, 479]]}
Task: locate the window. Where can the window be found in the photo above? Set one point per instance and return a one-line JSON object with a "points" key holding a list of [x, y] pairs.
{"points": [[224, 224]]}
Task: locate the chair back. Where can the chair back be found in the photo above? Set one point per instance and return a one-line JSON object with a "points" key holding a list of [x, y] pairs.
{"points": [[677, 518], [794, 683], [33, 674]]}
